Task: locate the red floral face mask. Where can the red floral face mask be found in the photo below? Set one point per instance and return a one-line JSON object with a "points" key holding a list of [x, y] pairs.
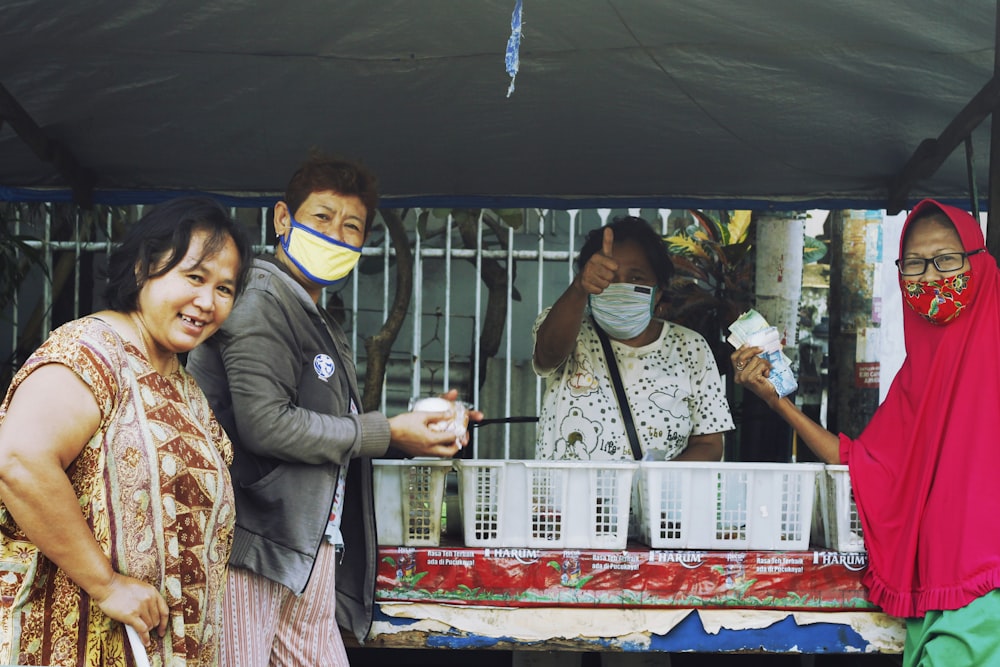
{"points": [[937, 301]]}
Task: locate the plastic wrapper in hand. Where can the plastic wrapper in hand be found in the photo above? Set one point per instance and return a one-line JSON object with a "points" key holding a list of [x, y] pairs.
{"points": [[458, 413], [752, 329]]}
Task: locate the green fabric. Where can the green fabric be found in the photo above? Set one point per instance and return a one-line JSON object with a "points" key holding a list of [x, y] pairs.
{"points": [[965, 637]]}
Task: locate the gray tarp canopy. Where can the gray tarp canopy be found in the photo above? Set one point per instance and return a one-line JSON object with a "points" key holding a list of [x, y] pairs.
{"points": [[655, 102]]}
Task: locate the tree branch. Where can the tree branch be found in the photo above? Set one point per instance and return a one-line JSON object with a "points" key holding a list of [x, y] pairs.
{"points": [[379, 346]]}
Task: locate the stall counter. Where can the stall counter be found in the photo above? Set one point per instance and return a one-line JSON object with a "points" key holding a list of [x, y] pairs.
{"points": [[637, 599]]}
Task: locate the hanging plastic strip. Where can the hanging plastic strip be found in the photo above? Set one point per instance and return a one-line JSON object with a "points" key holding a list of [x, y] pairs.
{"points": [[512, 58]]}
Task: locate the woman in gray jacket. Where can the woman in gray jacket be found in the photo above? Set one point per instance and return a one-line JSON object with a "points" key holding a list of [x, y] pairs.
{"points": [[280, 379]]}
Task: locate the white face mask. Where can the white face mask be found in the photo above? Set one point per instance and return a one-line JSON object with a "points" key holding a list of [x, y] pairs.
{"points": [[623, 310]]}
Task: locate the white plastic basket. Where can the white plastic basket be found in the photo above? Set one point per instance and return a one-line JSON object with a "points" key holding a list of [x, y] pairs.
{"points": [[408, 498], [841, 523], [545, 504], [709, 505]]}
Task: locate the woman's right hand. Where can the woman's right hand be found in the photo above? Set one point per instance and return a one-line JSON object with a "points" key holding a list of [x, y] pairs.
{"points": [[136, 603], [414, 434], [599, 271], [752, 371]]}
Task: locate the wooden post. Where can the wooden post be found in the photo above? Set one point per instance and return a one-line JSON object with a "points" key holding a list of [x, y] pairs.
{"points": [[853, 388], [779, 244]]}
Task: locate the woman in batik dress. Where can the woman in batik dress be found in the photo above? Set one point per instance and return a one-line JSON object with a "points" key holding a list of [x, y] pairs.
{"points": [[116, 506]]}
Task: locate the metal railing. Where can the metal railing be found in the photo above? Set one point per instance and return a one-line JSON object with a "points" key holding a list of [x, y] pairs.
{"points": [[439, 350]]}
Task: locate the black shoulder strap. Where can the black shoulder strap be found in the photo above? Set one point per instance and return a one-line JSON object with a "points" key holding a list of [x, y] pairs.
{"points": [[616, 380]]}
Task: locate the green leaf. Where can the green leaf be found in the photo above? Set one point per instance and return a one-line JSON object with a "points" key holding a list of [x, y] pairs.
{"points": [[512, 217], [710, 225], [14, 252], [813, 250]]}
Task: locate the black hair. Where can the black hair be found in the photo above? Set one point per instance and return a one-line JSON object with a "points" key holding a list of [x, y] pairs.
{"points": [[320, 173], [632, 228], [159, 241]]}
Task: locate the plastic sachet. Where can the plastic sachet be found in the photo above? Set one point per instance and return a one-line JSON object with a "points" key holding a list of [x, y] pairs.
{"points": [[458, 413], [751, 328]]}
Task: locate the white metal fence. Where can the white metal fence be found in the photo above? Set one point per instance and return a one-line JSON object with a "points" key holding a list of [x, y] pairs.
{"points": [[480, 278]]}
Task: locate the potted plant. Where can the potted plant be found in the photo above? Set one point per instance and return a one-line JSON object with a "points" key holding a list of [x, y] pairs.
{"points": [[713, 280]]}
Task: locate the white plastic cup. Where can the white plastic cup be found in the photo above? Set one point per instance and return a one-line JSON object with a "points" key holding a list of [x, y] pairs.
{"points": [[459, 412]]}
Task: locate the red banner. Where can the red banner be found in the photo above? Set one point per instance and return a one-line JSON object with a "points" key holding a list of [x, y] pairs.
{"points": [[825, 580]]}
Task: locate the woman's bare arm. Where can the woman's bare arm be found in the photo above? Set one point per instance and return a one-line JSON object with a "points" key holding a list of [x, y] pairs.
{"points": [[37, 444]]}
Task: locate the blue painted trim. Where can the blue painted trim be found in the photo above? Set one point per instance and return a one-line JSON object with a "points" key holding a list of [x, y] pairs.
{"points": [[784, 636], [781, 637], [131, 197]]}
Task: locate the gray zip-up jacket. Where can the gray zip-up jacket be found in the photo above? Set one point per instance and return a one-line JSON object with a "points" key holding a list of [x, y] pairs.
{"points": [[280, 380]]}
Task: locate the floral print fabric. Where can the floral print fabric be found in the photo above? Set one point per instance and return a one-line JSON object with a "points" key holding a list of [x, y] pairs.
{"points": [[937, 301], [153, 485]]}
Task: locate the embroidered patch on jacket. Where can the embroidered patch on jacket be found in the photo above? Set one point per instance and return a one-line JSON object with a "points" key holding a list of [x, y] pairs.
{"points": [[324, 366]]}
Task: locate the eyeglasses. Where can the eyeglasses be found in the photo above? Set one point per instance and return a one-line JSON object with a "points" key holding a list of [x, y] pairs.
{"points": [[950, 261]]}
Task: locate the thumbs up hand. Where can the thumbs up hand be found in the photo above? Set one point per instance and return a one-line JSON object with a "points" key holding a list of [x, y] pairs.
{"points": [[599, 271]]}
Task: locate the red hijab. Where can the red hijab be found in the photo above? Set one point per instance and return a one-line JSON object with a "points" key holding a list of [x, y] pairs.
{"points": [[926, 469]]}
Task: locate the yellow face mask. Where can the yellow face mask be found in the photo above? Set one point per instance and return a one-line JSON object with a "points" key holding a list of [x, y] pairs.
{"points": [[323, 260]]}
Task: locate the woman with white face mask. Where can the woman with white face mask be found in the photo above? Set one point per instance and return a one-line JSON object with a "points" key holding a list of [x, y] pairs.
{"points": [[669, 375]]}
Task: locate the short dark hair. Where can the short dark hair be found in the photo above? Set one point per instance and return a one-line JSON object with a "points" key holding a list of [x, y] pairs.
{"points": [[632, 228], [321, 172], [160, 240]]}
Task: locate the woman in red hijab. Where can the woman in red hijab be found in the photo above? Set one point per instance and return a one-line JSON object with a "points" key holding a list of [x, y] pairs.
{"points": [[924, 471]]}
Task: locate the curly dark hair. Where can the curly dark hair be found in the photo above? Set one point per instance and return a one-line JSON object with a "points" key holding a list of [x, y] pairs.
{"points": [[160, 240]]}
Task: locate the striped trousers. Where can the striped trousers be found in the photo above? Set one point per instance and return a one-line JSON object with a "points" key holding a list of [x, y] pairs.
{"points": [[266, 625]]}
